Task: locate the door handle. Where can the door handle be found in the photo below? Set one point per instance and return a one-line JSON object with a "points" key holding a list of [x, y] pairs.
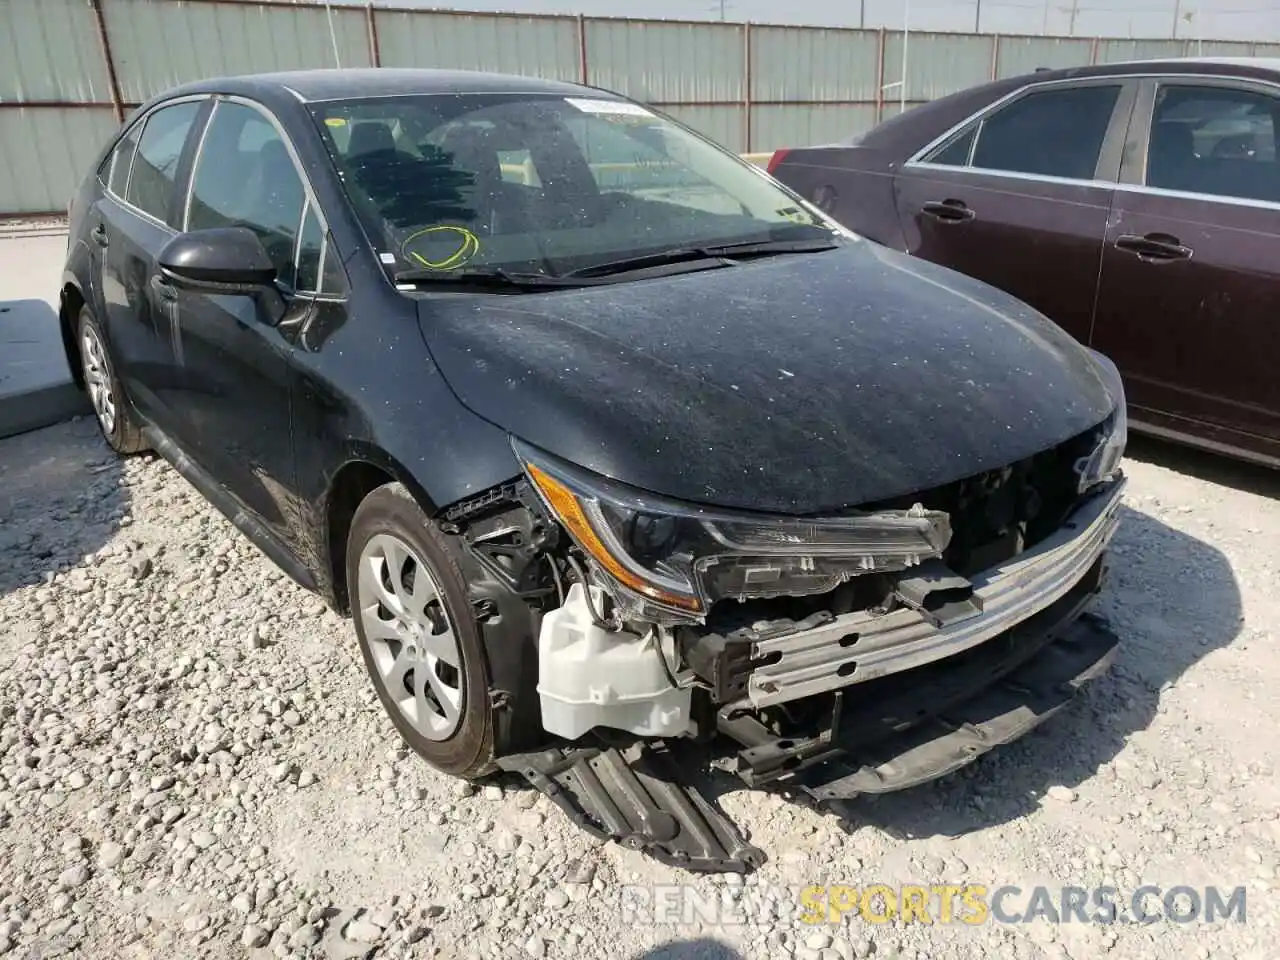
{"points": [[1154, 247], [99, 234], [948, 211], [162, 288]]}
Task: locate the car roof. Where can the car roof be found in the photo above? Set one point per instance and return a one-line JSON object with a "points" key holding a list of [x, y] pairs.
{"points": [[350, 84], [1239, 66]]}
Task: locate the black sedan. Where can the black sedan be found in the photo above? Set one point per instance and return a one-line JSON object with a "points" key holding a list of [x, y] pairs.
{"points": [[608, 443]]}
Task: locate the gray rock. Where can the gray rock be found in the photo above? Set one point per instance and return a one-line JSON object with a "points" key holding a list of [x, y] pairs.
{"points": [[817, 940], [110, 854], [254, 936], [1060, 793], [73, 877], [204, 839], [557, 899], [362, 930], [305, 936]]}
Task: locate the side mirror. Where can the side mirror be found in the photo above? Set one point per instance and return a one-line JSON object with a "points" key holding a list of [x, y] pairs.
{"points": [[221, 259]]}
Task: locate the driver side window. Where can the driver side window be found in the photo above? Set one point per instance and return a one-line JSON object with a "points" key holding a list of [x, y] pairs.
{"points": [[245, 177]]}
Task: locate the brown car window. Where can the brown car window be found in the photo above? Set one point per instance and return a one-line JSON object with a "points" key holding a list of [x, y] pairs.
{"points": [[1052, 133], [1215, 140]]}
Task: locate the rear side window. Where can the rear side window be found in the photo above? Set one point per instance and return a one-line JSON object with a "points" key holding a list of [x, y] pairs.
{"points": [[1050, 133], [155, 166], [245, 177], [1215, 140], [121, 159]]}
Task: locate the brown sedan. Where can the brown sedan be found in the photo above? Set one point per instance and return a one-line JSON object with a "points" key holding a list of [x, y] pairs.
{"points": [[1136, 204]]}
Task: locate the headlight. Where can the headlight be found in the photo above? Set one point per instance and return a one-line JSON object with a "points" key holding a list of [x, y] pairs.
{"points": [[1104, 462], [672, 561]]}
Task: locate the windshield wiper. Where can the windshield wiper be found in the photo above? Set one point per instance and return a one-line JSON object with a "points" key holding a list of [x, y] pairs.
{"points": [[725, 253], [494, 278]]}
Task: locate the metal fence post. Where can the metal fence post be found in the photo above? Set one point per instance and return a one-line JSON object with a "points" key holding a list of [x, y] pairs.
{"points": [[746, 88], [371, 23], [582, 49], [880, 77], [995, 56], [117, 102]]}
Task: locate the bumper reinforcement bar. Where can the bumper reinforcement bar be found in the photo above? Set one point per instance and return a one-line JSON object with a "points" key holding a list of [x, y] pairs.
{"points": [[860, 647], [1001, 713]]}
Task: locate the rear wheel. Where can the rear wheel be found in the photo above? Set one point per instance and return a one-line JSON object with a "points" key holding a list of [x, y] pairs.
{"points": [[418, 634], [119, 427]]}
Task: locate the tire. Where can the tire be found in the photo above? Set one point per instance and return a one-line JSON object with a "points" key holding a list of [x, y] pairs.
{"points": [[406, 654], [111, 406]]}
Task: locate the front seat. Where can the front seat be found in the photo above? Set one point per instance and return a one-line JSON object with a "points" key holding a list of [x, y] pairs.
{"points": [[471, 150], [1171, 159], [369, 136], [275, 200]]}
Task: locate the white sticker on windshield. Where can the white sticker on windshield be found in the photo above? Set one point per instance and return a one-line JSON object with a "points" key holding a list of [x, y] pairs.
{"points": [[614, 107], [387, 257]]}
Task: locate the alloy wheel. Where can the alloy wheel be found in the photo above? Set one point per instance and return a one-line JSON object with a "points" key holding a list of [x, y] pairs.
{"points": [[97, 379], [409, 634]]}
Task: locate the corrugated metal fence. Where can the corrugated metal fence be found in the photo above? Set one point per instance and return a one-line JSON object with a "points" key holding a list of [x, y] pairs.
{"points": [[75, 68]]}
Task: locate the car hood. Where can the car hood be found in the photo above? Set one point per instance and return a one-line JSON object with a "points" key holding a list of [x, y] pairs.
{"points": [[797, 384]]}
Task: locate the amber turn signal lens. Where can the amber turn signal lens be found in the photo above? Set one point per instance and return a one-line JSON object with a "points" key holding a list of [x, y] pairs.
{"points": [[567, 507]]}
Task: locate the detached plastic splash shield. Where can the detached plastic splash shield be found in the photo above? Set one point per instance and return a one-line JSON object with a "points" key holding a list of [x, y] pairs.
{"points": [[640, 797]]}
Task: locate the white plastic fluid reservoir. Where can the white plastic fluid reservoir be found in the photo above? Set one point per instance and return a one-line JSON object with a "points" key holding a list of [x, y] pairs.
{"points": [[592, 677]]}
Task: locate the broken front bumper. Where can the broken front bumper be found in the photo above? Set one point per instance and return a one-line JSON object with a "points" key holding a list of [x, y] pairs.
{"points": [[860, 647]]}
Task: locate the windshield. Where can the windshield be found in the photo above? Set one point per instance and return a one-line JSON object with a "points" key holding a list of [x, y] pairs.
{"points": [[543, 184]]}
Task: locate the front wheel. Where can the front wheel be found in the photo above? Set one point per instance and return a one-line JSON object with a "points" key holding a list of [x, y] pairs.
{"points": [[106, 394], [417, 633]]}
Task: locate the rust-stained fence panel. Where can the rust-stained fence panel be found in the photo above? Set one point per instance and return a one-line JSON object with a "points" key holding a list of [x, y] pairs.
{"points": [[667, 63], [50, 51], [158, 44], [1019, 55], [73, 67], [936, 64], [532, 46], [45, 152]]}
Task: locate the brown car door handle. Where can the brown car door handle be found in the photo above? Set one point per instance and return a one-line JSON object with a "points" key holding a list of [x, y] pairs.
{"points": [[1154, 247], [949, 211]]}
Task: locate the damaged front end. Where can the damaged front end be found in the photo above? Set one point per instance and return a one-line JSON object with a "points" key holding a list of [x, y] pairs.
{"points": [[838, 655]]}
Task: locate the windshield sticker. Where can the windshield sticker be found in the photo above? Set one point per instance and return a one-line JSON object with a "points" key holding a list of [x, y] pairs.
{"points": [[442, 247], [335, 121], [795, 215], [387, 258], [615, 108]]}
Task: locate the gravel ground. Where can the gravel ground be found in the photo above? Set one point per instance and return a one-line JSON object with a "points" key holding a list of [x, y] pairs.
{"points": [[192, 762]]}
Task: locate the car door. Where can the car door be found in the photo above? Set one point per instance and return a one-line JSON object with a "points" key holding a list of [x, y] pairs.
{"points": [[1187, 303], [1018, 195], [128, 226], [229, 396]]}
